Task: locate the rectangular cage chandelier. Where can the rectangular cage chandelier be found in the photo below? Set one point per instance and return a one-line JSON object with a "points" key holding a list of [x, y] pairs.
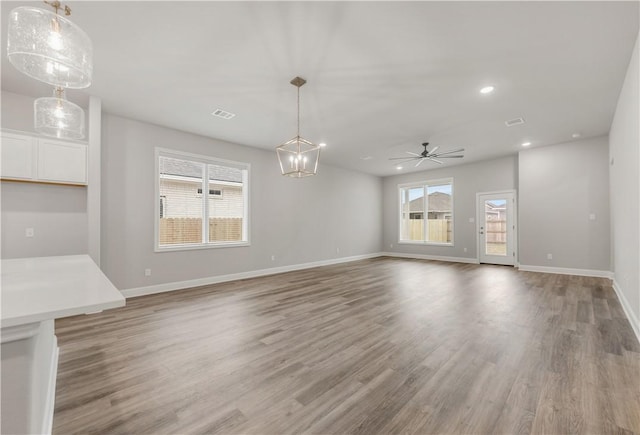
{"points": [[298, 157]]}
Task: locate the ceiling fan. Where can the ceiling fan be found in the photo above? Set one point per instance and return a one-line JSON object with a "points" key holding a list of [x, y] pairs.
{"points": [[429, 155]]}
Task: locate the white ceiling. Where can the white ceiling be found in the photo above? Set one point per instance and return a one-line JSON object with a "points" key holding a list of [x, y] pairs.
{"points": [[383, 77]]}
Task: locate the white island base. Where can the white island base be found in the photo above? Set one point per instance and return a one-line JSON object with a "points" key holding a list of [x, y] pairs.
{"points": [[35, 292]]}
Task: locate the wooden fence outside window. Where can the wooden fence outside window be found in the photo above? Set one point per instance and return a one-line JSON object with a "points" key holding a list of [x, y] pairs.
{"points": [[189, 230]]}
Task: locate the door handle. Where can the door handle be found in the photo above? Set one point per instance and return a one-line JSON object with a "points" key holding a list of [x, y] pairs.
{"points": [[481, 232]]}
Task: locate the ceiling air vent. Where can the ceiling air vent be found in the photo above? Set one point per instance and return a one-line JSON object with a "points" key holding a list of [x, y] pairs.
{"points": [[223, 114], [512, 122]]}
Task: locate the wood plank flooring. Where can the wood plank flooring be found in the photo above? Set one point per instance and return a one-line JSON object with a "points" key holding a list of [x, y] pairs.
{"points": [[380, 346]]}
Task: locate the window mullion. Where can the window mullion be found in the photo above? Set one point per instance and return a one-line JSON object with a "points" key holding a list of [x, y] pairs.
{"points": [[205, 205], [425, 214]]}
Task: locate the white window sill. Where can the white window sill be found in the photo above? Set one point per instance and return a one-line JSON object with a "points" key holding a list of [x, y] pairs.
{"points": [[416, 242], [191, 247]]}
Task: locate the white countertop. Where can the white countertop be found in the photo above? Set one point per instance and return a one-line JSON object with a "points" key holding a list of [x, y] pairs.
{"points": [[44, 288]]}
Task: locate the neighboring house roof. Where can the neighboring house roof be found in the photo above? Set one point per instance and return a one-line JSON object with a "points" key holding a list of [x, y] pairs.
{"points": [[438, 201], [488, 205], [183, 168]]}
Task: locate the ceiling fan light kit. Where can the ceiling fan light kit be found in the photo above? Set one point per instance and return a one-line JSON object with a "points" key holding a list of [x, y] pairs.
{"points": [[432, 156], [49, 48], [298, 157]]}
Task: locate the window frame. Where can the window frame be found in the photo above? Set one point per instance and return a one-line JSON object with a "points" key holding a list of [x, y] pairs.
{"points": [[206, 160], [425, 185]]}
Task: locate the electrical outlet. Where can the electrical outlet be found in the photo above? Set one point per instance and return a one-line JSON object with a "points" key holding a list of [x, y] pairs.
{"points": [[549, 257], [465, 249], [337, 250], [592, 217], [472, 220], [273, 258], [28, 232], [147, 272], [391, 245]]}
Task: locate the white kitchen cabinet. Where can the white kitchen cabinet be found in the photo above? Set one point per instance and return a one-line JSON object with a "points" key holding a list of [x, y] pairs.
{"points": [[18, 156], [37, 159], [62, 162]]}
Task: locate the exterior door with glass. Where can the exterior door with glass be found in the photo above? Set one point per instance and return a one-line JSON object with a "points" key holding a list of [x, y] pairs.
{"points": [[496, 227]]}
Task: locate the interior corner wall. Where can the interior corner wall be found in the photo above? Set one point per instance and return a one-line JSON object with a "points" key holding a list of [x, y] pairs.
{"points": [[564, 206], [624, 155], [469, 179], [296, 220], [58, 214]]}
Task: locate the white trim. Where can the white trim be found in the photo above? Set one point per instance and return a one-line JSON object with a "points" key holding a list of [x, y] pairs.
{"points": [[94, 178], [40, 136], [425, 214], [206, 161], [19, 332], [178, 247], [422, 243], [179, 285], [49, 405], [433, 182], [626, 306], [567, 271], [431, 257], [514, 223], [209, 160]]}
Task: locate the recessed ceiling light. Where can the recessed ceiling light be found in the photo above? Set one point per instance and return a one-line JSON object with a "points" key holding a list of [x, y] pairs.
{"points": [[398, 167], [526, 144], [366, 158], [575, 135], [322, 144], [487, 90]]}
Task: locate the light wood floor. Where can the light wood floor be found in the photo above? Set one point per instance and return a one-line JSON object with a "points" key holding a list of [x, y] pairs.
{"points": [[378, 346]]}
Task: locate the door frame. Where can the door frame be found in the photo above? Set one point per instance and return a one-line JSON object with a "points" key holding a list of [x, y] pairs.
{"points": [[516, 261]]}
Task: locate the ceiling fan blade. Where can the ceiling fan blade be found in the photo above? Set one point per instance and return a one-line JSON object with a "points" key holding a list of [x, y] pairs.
{"points": [[401, 162], [434, 149], [434, 160], [403, 158], [420, 162], [451, 152], [449, 157], [413, 154]]}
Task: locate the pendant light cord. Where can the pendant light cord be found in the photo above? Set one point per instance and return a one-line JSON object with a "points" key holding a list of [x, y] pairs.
{"points": [[298, 111]]}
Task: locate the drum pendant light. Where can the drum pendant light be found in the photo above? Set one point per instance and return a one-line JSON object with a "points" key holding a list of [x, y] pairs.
{"points": [[48, 47], [57, 117]]}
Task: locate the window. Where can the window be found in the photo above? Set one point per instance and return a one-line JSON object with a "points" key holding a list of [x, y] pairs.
{"points": [[213, 193], [163, 205], [433, 199], [189, 219]]}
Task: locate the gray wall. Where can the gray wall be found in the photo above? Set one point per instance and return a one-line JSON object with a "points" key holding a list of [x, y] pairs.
{"points": [[58, 214], [485, 176], [17, 112], [559, 187], [297, 220], [624, 140]]}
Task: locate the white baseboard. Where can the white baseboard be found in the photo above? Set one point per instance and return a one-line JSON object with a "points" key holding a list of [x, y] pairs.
{"points": [[567, 271], [626, 306], [178, 285], [49, 406], [431, 257]]}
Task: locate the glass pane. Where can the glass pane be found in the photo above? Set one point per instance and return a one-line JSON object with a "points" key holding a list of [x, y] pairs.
{"points": [[496, 229], [226, 204], [180, 201], [440, 213], [412, 216]]}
